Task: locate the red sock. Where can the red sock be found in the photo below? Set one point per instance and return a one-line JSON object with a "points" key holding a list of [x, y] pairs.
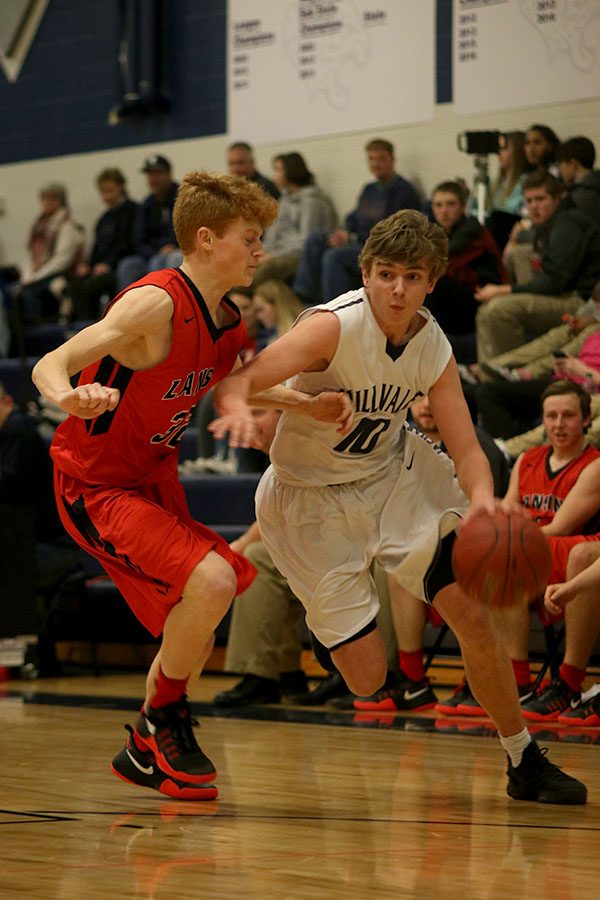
{"points": [[411, 664], [168, 690], [522, 672], [573, 676]]}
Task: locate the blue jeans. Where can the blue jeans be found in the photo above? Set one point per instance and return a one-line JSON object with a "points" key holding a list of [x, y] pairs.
{"points": [[132, 268], [326, 272], [340, 271]]}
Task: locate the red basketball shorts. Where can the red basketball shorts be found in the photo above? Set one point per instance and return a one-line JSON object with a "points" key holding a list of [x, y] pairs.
{"points": [[560, 547], [145, 539]]}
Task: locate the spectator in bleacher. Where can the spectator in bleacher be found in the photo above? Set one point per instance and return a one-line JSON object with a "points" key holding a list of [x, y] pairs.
{"points": [[509, 401], [95, 278], [240, 161], [55, 246], [541, 148], [155, 244], [329, 262], [559, 484], [565, 266], [473, 260], [506, 195], [276, 307], [303, 208], [507, 189], [576, 159]]}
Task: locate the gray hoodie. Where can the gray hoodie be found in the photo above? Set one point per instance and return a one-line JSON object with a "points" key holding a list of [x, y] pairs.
{"points": [[306, 210]]}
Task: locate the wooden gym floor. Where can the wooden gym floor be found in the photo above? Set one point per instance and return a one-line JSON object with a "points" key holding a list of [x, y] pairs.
{"points": [[314, 803]]}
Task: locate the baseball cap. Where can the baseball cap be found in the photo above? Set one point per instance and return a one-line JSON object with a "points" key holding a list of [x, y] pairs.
{"points": [[156, 163]]}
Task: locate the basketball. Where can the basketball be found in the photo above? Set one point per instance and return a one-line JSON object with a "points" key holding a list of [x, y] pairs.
{"points": [[501, 560]]}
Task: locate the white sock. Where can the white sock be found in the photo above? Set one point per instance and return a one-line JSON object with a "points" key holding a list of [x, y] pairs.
{"points": [[515, 744]]}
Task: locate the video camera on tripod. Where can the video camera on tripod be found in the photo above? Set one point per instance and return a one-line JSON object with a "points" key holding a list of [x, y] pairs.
{"points": [[480, 144]]}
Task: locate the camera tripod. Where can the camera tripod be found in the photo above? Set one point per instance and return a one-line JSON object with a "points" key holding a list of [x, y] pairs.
{"points": [[481, 186]]}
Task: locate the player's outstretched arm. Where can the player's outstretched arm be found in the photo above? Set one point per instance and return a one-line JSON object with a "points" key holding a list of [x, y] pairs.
{"points": [[123, 333], [327, 406], [309, 346]]}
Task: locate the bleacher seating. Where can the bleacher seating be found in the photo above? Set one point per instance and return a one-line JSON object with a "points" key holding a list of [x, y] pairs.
{"points": [[41, 339], [188, 447], [223, 502], [15, 375]]}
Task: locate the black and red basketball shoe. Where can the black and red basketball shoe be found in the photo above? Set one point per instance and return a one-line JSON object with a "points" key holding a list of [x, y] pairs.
{"points": [[168, 732], [139, 767], [587, 713]]}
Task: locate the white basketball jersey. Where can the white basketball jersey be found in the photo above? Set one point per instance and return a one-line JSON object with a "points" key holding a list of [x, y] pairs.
{"points": [[381, 380]]}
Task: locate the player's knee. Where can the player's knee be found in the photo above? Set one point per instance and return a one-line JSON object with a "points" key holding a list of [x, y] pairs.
{"points": [[465, 616], [213, 579], [582, 556], [363, 664]]}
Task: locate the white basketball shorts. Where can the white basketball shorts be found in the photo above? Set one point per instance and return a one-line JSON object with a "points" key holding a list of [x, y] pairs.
{"points": [[323, 539]]}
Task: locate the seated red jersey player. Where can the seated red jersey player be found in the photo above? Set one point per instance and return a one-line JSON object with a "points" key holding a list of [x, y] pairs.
{"points": [[559, 485], [161, 345]]}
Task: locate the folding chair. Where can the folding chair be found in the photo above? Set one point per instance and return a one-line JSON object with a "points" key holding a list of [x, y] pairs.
{"points": [[554, 637]]}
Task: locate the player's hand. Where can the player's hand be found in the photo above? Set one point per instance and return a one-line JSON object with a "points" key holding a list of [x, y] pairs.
{"points": [[557, 596], [88, 401], [479, 508], [332, 406], [489, 507], [511, 506], [236, 424]]}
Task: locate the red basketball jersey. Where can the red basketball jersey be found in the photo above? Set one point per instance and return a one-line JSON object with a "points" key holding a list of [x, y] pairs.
{"points": [[136, 442], [543, 491]]}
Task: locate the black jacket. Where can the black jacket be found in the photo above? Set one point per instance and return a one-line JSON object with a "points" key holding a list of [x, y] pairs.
{"points": [[113, 235], [154, 224], [567, 248], [585, 194]]}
